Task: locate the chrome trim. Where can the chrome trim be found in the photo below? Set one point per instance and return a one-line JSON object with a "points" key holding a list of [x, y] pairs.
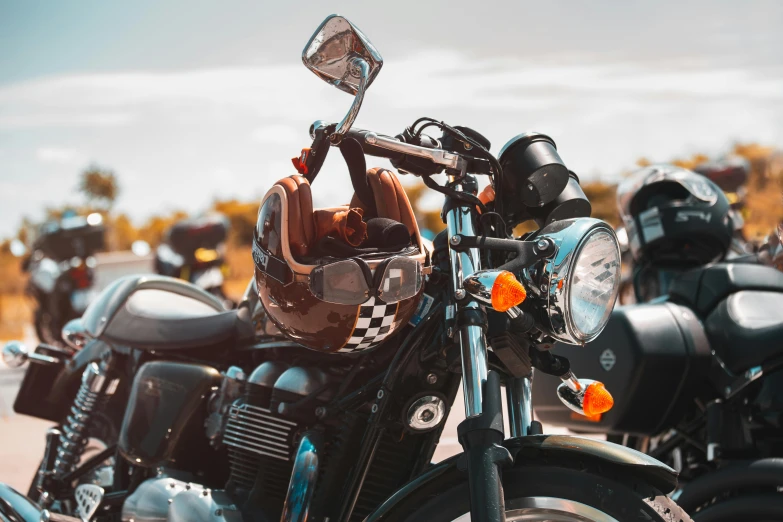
{"points": [[353, 111], [437, 156], [88, 500], [519, 399], [257, 430], [549, 279], [473, 343], [572, 392], [74, 334], [426, 413], [339, 53], [15, 354], [303, 481], [480, 284]]}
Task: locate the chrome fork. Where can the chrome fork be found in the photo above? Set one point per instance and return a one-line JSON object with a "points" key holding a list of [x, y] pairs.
{"points": [[473, 343]]}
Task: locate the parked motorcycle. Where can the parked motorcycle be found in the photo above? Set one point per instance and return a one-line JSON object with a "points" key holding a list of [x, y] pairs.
{"points": [[340, 423], [194, 250], [700, 366], [62, 272]]}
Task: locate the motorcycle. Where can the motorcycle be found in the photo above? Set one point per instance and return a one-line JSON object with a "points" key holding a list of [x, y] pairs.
{"points": [[221, 422], [703, 388], [193, 250], [62, 272]]}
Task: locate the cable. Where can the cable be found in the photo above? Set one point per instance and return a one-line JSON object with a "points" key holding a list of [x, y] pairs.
{"points": [[454, 194]]}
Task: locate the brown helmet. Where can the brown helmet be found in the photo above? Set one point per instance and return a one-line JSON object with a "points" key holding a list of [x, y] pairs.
{"points": [[340, 279]]}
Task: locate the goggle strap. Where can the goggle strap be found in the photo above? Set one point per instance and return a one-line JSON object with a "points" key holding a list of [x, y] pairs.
{"points": [[272, 266]]}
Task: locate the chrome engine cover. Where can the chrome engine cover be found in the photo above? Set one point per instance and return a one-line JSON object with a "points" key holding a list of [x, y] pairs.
{"points": [[164, 499], [206, 506]]}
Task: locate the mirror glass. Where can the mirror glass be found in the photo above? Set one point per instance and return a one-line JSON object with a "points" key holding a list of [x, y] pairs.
{"points": [[332, 51]]}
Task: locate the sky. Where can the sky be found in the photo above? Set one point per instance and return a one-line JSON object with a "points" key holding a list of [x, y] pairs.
{"points": [[188, 101]]}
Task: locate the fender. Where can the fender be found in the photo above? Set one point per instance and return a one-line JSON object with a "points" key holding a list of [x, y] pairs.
{"points": [[16, 507], [541, 448]]}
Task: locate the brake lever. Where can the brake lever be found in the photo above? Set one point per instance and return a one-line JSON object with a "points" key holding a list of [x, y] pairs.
{"points": [[441, 157]]}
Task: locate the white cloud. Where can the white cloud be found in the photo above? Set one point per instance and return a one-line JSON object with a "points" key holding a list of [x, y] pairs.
{"points": [[193, 135], [59, 155]]}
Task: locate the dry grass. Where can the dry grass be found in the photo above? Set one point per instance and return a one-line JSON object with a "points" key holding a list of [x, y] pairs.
{"points": [[15, 313]]}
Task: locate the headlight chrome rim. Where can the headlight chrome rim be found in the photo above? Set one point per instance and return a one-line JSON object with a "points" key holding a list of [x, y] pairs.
{"points": [[552, 279]]}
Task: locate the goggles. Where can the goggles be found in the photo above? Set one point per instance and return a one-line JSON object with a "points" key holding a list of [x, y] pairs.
{"points": [[350, 281]]}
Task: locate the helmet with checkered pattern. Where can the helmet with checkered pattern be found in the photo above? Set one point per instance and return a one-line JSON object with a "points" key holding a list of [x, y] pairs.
{"points": [[335, 297]]}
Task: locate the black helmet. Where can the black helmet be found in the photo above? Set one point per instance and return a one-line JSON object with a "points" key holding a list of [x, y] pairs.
{"points": [[674, 217]]}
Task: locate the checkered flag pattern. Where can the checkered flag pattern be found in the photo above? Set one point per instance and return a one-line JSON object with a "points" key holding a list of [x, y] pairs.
{"points": [[375, 323]]}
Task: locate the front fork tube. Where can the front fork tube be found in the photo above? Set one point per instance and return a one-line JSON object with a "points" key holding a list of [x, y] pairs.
{"points": [[481, 434], [519, 399]]}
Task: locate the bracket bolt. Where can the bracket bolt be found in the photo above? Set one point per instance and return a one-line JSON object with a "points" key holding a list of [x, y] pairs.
{"points": [[542, 245], [455, 240], [459, 294], [432, 378]]}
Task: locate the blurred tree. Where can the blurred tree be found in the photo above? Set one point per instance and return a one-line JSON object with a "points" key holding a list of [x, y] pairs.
{"points": [[154, 230], [242, 216], [428, 219], [602, 197], [121, 232], [99, 186]]}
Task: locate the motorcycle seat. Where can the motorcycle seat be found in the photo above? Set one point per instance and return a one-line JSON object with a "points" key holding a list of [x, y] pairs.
{"points": [[702, 289], [746, 329], [151, 312]]}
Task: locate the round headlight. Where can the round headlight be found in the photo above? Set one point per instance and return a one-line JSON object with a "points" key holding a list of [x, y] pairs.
{"points": [[577, 285]]}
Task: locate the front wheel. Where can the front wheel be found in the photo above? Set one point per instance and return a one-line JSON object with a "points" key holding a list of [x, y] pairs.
{"points": [[548, 493]]}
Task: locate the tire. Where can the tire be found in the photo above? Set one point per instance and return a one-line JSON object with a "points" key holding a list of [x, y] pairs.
{"points": [[44, 326], [558, 494]]}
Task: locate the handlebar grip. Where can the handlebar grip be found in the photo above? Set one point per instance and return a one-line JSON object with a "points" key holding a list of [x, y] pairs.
{"points": [[373, 150]]}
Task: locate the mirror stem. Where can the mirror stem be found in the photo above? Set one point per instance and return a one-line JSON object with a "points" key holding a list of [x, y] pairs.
{"points": [[353, 112]]}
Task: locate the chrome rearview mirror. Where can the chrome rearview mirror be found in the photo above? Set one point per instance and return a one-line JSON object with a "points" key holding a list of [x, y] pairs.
{"points": [[342, 56]]}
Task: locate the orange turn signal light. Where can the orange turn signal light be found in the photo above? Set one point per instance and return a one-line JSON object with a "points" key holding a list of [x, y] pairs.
{"points": [[597, 400], [507, 292]]}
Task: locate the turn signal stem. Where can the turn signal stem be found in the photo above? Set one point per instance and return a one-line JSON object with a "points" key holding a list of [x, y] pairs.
{"points": [[499, 289], [584, 396]]}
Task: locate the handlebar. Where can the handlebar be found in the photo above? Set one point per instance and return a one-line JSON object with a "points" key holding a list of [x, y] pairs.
{"points": [[417, 159]]}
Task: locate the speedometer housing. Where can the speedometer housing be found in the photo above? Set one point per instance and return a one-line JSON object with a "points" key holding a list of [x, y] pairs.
{"points": [[577, 286]]}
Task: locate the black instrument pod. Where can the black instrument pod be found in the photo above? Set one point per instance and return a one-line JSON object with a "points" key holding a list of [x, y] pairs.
{"points": [[570, 203], [533, 171]]}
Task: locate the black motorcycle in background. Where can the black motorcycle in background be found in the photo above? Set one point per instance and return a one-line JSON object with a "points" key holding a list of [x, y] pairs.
{"points": [[700, 363], [62, 272], [194, 251]]}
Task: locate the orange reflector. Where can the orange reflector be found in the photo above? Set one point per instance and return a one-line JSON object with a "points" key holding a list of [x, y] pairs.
{"points": [[507, 292], [597, 400]]}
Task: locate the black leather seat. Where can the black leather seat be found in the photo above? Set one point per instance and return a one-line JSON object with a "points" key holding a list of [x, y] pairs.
{"points": [[746, 329], [160, 313], [703, 288]]}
